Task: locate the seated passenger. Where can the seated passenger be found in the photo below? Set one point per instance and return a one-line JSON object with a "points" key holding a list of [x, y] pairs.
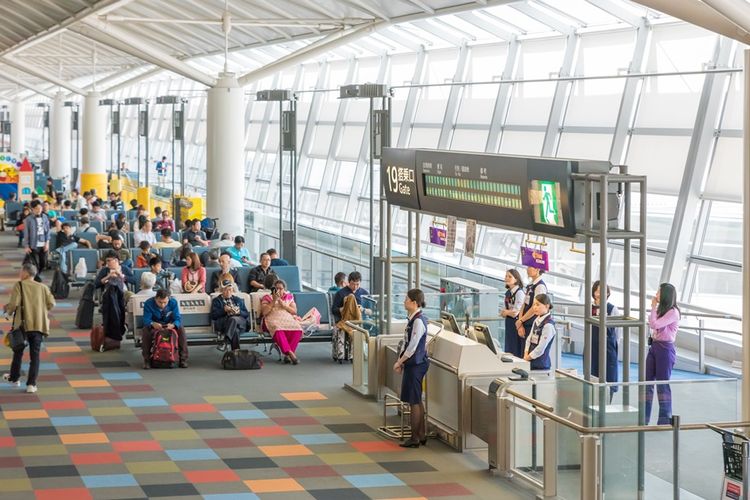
{"points": [[193, 275], [339, 282], [121, 223], [275, 260], [239, 253], [179, 258], [148, 282], [67, 240], [539, 339], [279, 311], [113, 273], [144, 234], [166, 240], [85, 227], [97, 213], [164, 222], [164, 279], [259, 273], [210, 258], [145, 256], [224, 273], [224, 241], [159, 312], [352, 288], [195, 236], [118, 246], [229, 314]]}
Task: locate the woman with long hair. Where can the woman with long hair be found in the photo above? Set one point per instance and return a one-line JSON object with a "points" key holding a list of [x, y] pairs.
{"points": [[193, 275], [514, 297], [612, 334], [279, 311], [664, 321]]}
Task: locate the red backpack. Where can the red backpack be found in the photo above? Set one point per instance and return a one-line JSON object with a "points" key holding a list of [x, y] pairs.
{"points": [[164, 349]]}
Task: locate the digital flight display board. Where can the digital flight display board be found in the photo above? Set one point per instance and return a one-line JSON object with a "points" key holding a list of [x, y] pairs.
{"points": [[534, 195]]}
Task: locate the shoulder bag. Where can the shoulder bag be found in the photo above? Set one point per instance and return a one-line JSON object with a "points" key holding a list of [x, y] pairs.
{"points": [[16, 337]]}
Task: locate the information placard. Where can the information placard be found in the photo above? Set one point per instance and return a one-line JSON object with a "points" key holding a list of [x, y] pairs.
{"points": [[399, 177]]}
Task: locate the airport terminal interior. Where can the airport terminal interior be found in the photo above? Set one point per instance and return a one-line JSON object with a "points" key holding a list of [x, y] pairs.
{"points": [[485, 171]]}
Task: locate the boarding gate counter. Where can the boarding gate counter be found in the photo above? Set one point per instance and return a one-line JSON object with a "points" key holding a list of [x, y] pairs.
{"points": [[457, 364]]}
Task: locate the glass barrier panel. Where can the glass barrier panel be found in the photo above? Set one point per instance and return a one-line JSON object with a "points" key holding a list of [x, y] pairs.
{"points": [[568, 463]]}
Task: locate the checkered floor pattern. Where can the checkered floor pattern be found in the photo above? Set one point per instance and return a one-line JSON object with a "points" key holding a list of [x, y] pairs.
{"points": [[99, 428]]}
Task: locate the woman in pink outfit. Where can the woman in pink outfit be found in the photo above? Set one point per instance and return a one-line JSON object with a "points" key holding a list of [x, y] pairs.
{"points": [[279, 311], [664, 321]]}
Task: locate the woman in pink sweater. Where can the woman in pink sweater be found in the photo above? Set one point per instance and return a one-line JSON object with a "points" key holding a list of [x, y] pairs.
{"points": [[664, 320]]}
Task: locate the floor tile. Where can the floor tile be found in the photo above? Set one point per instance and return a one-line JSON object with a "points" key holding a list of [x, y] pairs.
{"points": [[64, 405], [210, 424], [78, 384], [192, 454], [373, 480], [51, 471], [24, 414], [129, 427], [441, 490], [250, 463], [312, 439], [274, 485], [109, 481], [267, 431], [33, 431], [310, 471], [231, 496], [303, 396], [349, 428], [11, 463], [63, 494], [111, 364], [72, 421], [122, 376], [217, 400], [42, 450], [7, 442], [288, 450], [211, 476], [407, 466], [344, 458], [234, 442], [95, 458], [84, 438], [294, 421], [376, 446], [176, 435], [339, 494], [234, 415], [160, 417], [274, 405], [327, 411], [110, 411], [16, 484], [144, 402], [194, 408], [169, 490], [152, 467], [134, 446]]}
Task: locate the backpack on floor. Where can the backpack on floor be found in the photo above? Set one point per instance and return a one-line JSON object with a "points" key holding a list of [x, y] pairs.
{"points": [[164, 348], [60, 288], [85, 312], [340, 346]]}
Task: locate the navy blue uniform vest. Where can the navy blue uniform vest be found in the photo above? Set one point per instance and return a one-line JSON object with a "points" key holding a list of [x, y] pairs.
{"points": [[543, 361], [420, 355], [611, 350]]}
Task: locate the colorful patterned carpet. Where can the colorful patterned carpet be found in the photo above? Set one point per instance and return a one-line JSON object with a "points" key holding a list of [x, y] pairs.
{"points": [[100, 427]]}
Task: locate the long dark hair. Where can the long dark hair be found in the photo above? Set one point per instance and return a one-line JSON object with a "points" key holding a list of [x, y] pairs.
{"points": [[516, 276], [667, 299]]}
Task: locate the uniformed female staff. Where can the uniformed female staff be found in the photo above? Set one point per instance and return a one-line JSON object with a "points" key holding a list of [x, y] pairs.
{"points": [[514, 296], [539, 338], [413, 362], [535, 287], [612, 334]]}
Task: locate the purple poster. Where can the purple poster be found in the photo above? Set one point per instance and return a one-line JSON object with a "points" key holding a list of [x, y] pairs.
{"points": [[438, 235], [532, 257]]}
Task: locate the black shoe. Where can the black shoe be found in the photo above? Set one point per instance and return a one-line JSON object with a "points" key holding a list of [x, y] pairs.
{"points": [[287, 360], [183, 364], [410, 443], [146, 365], [423, 441]]}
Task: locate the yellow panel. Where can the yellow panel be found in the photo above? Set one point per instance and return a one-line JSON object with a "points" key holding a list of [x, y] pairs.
{"points": [[94, 181], [144, 197]]}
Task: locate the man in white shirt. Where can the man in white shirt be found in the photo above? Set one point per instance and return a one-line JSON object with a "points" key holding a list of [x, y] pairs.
{"points": [[144, 234]]}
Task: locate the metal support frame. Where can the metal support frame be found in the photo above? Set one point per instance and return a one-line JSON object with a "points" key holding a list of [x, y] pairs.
{"points": [[561, 96], [745, 394], [45, 127], [138, 102], [175, 103], [454, 99], [702, 144], [75, 152], [502, 101]]}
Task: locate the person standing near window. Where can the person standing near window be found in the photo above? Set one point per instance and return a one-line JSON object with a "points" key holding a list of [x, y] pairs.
{"points": [[535, 287], [612, 335], [664, 320]]}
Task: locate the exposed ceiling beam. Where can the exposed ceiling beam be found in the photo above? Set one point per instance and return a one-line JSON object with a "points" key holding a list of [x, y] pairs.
{"points": [[421, 5], [32, 70], [29, 86], [120, 39], [534, 11], [132, 81], [97, 8], [737, 12], [700, 14], [618, 10]]}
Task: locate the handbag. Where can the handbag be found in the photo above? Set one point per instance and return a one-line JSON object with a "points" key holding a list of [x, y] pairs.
{"points": [[241, 359], [16, 337]]}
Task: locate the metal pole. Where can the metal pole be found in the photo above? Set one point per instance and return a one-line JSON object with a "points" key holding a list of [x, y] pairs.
{"points": [[550, 458], [119, 133], [745, 472], [281, 176], [409, 246], [138, 151], [676, 457], [182, 148], [174, 162], [642, 340], [590, 471], [587, 299], [145, 160], [387, 284], [626, 297], [418, 251], [371, 264], [746, 244], [603, 188]]}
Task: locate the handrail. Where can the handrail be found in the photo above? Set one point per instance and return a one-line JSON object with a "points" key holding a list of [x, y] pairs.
{"points": [[530, 400], [647, 382]]}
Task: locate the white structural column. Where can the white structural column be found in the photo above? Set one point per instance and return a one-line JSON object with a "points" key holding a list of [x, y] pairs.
{"points": [[225, 154], [18, 127], [94, 164], [59, 145]]}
